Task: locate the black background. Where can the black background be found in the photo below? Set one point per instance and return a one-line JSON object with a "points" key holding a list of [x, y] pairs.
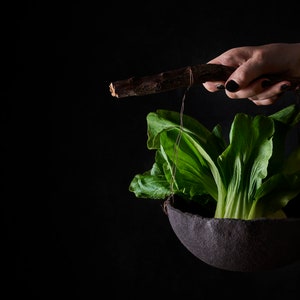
{"points": [[70, 149]]}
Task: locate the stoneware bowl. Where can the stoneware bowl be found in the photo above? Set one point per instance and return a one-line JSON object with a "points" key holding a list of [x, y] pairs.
{"points": [[237, 245]]}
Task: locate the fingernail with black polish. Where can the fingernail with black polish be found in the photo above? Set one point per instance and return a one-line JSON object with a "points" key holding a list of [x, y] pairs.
{"points": [[284, 87], [220, 87], [232, 86], [266, 83]]}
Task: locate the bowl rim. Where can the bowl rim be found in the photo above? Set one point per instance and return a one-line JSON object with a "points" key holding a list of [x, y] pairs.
{"points": [[167, 204]]}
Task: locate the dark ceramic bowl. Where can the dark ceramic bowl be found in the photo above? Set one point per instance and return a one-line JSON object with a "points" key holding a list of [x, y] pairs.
{"points": [[237, 245]]}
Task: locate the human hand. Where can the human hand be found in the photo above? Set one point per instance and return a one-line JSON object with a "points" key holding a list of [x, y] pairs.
{"points": [[252, 63]]}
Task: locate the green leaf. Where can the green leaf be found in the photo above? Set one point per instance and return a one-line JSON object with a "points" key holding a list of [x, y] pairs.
{"points": [[274, 194], [149, 186], [164, 120], [292, 163], [284, 121], [248, 178], [192, 164], [290, 115], [244, 163]]}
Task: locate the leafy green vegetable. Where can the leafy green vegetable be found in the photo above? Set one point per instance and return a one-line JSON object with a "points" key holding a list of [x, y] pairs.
{"points": [[247, 178]]}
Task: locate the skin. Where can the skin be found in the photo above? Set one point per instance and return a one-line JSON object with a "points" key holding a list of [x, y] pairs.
{"points": [[253, 62]]}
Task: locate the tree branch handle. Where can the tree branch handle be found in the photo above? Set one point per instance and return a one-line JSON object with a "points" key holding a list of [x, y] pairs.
{"points": [[180, 78]]}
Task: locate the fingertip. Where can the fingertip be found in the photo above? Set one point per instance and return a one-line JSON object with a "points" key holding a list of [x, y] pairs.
{"points": [[285, 87], [214, 86], [232, 86], [220, 86]]}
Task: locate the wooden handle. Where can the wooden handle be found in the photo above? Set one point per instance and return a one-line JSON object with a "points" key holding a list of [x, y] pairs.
{"points": [[178, 78]]}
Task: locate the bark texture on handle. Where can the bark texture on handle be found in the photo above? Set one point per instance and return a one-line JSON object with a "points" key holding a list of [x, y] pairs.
{"points": [[169, 80], [178, 78]]}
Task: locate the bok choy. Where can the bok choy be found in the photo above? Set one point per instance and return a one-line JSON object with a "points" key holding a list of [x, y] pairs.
{"points": [[249, 176]]}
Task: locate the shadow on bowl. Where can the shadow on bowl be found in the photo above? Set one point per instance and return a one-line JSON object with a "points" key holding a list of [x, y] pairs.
{"points": [[235, 244]]}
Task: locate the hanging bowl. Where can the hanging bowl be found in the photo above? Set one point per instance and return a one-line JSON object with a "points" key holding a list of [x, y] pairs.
{"points": [[236, 244]]}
